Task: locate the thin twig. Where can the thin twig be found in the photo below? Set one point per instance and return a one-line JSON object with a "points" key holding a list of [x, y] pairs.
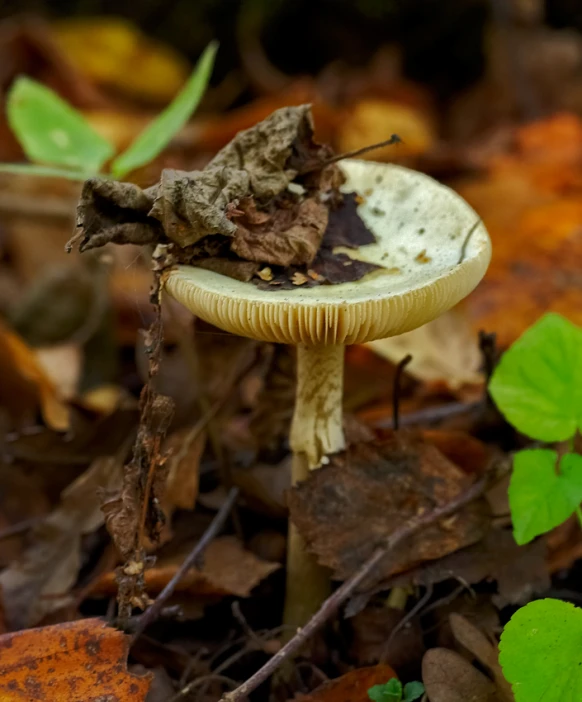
{"points": [[191, 560], [335, 601], [394, 139], [396, 389], [466, 241], [406, 619], [430, 415]]}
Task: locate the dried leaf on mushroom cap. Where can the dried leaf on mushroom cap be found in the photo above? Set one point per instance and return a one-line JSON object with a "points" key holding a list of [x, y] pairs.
{"points": [[192, 205]]}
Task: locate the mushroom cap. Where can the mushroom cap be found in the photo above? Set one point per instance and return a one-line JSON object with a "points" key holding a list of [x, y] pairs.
{"points": [[433, 246]]}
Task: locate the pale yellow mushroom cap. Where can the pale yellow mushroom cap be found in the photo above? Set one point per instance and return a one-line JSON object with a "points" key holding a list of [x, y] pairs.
{"points": [[423, 230]]}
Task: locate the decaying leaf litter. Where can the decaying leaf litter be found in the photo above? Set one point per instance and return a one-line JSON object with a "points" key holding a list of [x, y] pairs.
{"points": [[458, 567]]}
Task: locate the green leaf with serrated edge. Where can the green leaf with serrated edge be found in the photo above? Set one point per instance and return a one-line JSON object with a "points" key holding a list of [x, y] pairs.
{"points": [[413, 691], [388, 692], [538, 383], [52, 132], [540, 498], [158, 134], [540, 652]]}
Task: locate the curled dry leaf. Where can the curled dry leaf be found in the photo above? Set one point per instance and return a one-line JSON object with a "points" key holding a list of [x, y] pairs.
{"points": [[228, 569], [25, 387], [78, 661], [448, 677], [351, 687], [40, 582], [266, 199], [347, 509]]}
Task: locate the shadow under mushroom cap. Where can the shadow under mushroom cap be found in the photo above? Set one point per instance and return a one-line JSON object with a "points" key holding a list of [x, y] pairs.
{"points": [[432, 245]]}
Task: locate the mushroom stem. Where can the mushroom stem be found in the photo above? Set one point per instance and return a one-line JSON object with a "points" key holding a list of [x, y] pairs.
{"points": [[316, 431]]}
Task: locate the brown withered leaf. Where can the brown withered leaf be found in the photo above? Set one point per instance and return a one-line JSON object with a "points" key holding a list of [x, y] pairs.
{"points": [[117, 213], [229, 569], [346, 227], [520, 571], [351, 687], [185, 449], [77, 661], [185, 207], [40, 582], [286, 236], [347, 509], [448, 677]]}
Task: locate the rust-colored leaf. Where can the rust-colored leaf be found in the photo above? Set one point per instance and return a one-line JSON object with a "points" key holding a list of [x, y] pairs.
{"points": [[353, 686], [25, 387], [347, 509], [530, 202], [83, 661]]}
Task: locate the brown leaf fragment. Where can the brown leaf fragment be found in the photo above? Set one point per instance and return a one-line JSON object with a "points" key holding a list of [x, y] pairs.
{"points": [[80, 661], [233, 268], [228, 569], [346, 227], [351, 687], [194, 205], [347, 509], [448, 677], [291, 235], [117, 213], [335, 268]]}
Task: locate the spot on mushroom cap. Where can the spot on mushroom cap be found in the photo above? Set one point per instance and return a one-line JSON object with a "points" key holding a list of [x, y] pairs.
{"points": [[422, 229]]}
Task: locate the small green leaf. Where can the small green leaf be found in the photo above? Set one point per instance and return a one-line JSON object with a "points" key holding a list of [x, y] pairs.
{"points": [[413, 691], [541, 652], [538, 383], [42, 171], [540, 498], [51, 131], [388, 692], [158, 134]]}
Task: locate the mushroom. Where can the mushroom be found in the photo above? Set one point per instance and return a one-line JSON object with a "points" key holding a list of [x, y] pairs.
{"points": [[433, 249]]}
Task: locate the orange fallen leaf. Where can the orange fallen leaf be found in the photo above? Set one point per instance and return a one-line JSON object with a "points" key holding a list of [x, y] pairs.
{"points": [[530, 201], [24, 385], [77, 662], [115, 53], [353, 686], [229, 569]]}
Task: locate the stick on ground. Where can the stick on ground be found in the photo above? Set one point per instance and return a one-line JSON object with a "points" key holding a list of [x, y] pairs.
{"points": [[191, 560]]}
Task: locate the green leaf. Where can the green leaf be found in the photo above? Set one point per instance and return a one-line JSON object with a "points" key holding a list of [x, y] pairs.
{"points": [[538, 383], [540, 498], [158, 134], [541, 652], [42, 171], [388, 692], [413, 691], [51, 131]]}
